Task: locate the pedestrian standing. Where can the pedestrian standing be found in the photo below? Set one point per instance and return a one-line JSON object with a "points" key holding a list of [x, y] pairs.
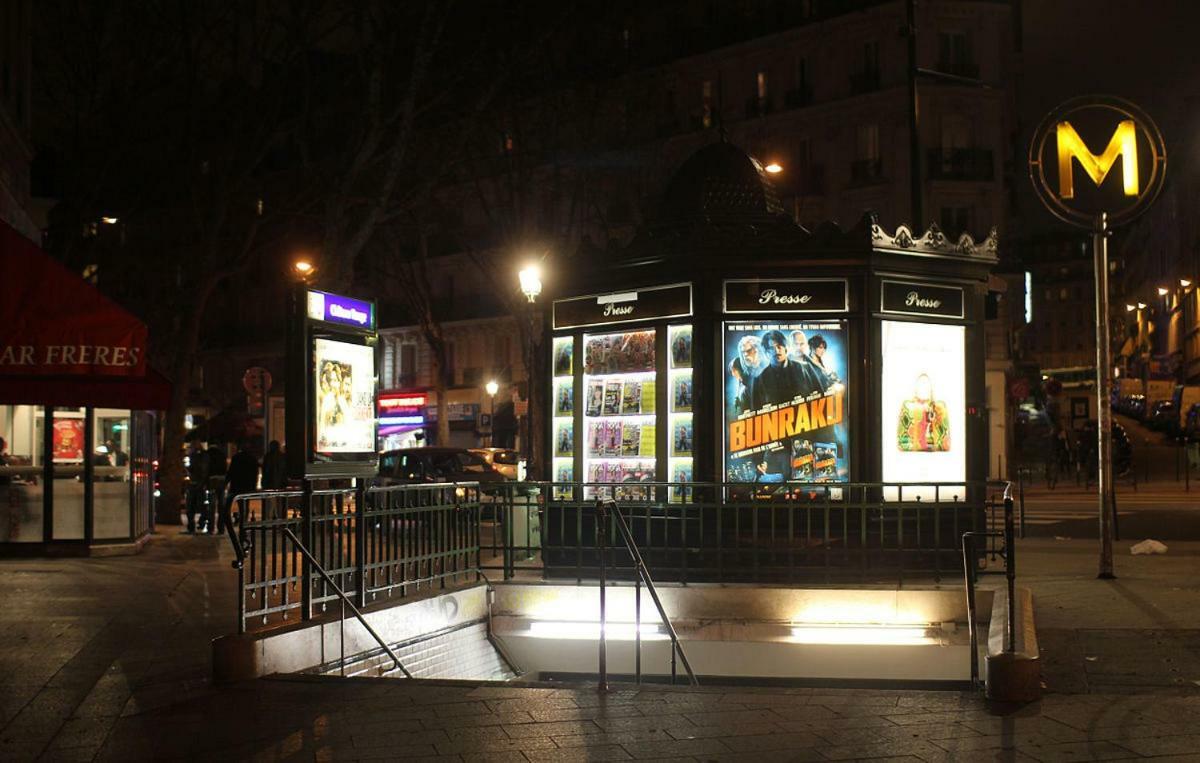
{"points": [[197, 484], [242, 477], [274, 468], [216, 487]]}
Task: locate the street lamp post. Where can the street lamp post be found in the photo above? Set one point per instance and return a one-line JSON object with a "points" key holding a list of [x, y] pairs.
{"points": [[531, 286], [491, 388]]}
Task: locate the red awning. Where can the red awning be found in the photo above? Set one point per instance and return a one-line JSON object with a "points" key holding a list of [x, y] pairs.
{"points": [[64, 343], [53, 323]]}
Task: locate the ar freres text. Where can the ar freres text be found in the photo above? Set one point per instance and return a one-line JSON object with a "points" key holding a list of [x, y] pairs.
{"points": [[69, 355]]}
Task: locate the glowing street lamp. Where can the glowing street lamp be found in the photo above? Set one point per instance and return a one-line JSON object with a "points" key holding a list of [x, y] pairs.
{"points": [[531, 281], [1184, 282], [1163, 291], [774, 168], [1141, 305], [492, 388], [1130, 308], [303, 268]]}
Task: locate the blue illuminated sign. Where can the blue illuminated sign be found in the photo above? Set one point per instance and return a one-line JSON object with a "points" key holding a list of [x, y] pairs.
{"points": [[334, 308]]}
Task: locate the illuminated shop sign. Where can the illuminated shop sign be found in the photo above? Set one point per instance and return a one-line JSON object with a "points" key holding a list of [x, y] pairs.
{"points": [[405, 409], [923, 398], [786, 410], [786, 295], [624, 307], [911, 298], [334, 308]]}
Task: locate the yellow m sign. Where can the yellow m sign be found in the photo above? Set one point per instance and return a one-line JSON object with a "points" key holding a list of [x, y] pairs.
{"points": [[1123, 143]]}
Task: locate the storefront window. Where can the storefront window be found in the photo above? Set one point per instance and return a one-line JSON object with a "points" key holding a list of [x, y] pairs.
{"points": [[111, 448], [69, 448], [21, 468]]}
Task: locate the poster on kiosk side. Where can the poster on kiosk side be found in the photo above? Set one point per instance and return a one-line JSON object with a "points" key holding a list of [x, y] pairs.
{"points": [[785, 402], [923, 434]]}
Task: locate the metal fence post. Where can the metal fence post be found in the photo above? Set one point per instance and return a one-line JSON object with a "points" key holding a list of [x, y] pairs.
{"points": [[1010, 570], [1021, 496], [601, 547], [306, 529], [360, 539]]}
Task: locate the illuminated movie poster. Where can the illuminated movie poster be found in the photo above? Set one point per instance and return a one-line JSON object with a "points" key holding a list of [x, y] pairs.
{"points": [[924, 406], [785, 402], [344, 397]]}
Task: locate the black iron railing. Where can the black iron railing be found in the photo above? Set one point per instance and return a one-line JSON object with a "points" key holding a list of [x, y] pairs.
{"points": [[734, 532], [371, 543]]}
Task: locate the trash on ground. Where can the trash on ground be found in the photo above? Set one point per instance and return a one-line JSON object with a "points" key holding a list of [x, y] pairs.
{"points": [[1148, 546]]}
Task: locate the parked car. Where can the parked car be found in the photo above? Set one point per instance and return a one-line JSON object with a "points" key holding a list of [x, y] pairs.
{"points": [[1163, 417], [503, 460], [1191, 423], [1122, 447], [411, 466]]}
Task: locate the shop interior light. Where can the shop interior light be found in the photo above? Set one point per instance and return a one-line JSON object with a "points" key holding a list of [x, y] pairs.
{"points": [[881, 635], [565, 629], [1163, 291]]}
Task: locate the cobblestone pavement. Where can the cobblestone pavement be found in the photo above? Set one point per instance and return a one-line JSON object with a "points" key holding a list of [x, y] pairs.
{"points": [[108, 659]]}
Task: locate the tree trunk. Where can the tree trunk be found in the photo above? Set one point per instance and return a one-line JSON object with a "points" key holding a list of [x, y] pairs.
{"points": [[443, 407], [170, 462]]}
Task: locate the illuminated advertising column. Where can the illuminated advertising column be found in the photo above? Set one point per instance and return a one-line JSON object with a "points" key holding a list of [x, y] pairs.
{"points": [[786, 371], [923, 436], [331, 390]]}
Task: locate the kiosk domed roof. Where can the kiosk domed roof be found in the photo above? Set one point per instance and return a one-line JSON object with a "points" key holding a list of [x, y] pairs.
{"points": [[720, 181]]}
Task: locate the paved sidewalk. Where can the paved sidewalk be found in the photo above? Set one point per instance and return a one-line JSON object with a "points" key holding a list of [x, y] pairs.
{"points": [[109, 659]]}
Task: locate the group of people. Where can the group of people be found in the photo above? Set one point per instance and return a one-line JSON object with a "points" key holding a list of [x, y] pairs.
{"points": [[789, 373], [214, 483]]}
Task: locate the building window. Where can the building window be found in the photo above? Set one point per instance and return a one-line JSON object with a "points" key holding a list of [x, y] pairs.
{"points": [[954, 54], [449, 369], [801, 92], [867, 165], [501, 352], [706, 102], [761, 86], [1063, 296], [406, 365], [867, 77]]}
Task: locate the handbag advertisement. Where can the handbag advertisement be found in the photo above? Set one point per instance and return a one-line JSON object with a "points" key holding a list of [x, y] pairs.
{"points": [[924, 407]]}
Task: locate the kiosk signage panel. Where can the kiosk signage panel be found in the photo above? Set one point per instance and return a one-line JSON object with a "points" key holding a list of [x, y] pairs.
{"points": [[785, 407], [624, 307], [912, 298], [786, 295], [923, 388]]}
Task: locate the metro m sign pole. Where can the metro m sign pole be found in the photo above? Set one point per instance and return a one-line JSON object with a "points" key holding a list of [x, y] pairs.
{"points": [[1099, 198]]}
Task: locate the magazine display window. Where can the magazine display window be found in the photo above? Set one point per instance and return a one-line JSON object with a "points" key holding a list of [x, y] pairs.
{"points": [[620, 419]]}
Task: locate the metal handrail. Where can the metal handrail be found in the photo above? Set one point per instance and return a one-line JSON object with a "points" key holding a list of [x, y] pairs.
{"points": [[1010, 573], [643, 577], [345, 603]]}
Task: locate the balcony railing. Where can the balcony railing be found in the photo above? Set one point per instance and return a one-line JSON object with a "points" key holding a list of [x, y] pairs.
{"points": [[798, 97], [866, 171], [961, 164], [959, 68]]}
